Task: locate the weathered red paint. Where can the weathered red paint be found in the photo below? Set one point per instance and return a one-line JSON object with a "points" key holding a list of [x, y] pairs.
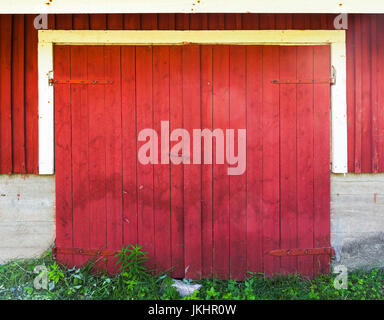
{"points": [[19, 105], [194, 218]]}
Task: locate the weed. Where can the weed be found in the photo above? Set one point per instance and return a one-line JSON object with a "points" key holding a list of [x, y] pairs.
{"points": [[131, 261], [136, 282], [55, 274]]}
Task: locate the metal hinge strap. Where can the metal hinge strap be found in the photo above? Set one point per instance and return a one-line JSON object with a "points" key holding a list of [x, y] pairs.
{"points": [[81, 251], [302, 252], [54, 81], [304, 81]]}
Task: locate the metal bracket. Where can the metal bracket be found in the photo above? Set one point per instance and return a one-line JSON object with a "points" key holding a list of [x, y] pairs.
{"points": [[331, 80], [50, 78], [304, 81], [302, 252], [80, 251], [54, 81], [333, 75]]}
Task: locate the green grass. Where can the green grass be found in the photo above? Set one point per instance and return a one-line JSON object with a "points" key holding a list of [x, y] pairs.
{"points": [[16, 282]]}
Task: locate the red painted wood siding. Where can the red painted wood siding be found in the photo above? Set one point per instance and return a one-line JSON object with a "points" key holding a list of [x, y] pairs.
{"points": [[18, 79], [195, 218]]}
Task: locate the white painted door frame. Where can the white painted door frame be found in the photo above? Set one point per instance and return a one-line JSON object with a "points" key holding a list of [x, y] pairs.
{"points": [[334, 38]]}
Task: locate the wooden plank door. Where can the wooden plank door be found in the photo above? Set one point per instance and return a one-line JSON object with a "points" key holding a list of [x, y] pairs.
{"points": [[192, 217]]}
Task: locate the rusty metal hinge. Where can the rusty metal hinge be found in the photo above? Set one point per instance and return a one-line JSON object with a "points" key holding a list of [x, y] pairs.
{"points": [[54, 81], [333, 75], [304, 81], [331, 80], [81, 251], [302, 252]]}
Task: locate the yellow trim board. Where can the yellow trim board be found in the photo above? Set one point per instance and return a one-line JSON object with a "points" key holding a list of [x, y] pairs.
{"points": [[160, 37]]}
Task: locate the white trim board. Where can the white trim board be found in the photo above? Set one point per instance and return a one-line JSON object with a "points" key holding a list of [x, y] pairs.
{"points": [[191, 6], [335, 38]]}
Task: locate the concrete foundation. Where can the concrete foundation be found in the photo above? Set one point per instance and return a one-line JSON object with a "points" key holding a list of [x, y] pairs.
{"points": [[27, 218], [357, 220], [27, 215]]}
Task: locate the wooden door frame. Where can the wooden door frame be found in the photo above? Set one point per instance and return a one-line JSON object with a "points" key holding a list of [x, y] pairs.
{"points": [[334, 38]]}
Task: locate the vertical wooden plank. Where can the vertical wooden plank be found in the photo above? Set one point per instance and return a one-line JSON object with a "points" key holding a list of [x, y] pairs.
{"points": [[97, 142], [220, 201], [284, 21], [380, 96], [80, 153], [166, 21], [63, 153], [161, 171], [97, 151], [31, 95], [113, 153], [233, 21], [220, 120], [270, 209], [254, 171], [301, 21], [350, 47], [149, 21], [324, 22], [115, 21], [321, 156], [358, 93], [98, 21], [177, 173], [288, 157], [267, 21], [237, 182], [316, 21], [80, 141], [132, 21], [199, 21], [145, 172], [366, 74], [250, 21], [64, 21], [80, 21], [182, 21], [374, 94], [329, 20], [129, 144], [305, 158], [220, 176], [192, 173], [51, 21], [216, 21], [320, 22], [18, 115], [206, 171]]}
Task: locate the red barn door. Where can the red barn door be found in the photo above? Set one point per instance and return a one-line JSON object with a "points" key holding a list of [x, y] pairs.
{"points": [[195, 220]]}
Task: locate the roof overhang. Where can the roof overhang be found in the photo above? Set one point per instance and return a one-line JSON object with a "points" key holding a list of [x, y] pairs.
{"points": [[190, 6]]}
